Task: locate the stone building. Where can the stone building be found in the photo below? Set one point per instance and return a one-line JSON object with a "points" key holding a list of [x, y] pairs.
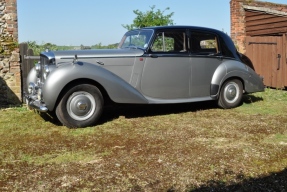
{"points": [[10, 73]]}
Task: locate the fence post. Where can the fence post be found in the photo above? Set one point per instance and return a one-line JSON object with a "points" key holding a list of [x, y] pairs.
{"points": [[26, 66]]}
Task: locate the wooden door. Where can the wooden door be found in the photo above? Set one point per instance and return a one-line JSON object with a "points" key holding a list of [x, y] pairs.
{"points": [[267, 56], [284, 59]]}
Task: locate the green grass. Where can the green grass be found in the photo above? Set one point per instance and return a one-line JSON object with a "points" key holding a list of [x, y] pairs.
{"points": [[269, 102], [186, 147]]}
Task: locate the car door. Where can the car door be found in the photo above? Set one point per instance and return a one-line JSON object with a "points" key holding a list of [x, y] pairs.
{"points": [[206, 56], [167, 70]]}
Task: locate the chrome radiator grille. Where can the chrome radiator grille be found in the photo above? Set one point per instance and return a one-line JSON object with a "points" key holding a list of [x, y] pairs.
{"points": [[43, 61]]}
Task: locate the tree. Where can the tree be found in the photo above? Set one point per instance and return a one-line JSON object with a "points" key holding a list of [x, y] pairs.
{"points": [[150, 18], [100, 46], [37, 49]]}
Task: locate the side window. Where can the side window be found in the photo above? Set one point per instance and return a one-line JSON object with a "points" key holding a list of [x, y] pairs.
{"points": [[203, 43], [169, 41]]}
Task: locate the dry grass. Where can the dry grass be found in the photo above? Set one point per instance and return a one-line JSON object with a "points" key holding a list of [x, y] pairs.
{"points": [[190, 147]]}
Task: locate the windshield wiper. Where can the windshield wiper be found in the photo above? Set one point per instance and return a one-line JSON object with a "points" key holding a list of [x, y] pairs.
{"points": [[134, 47], [131, 47]]}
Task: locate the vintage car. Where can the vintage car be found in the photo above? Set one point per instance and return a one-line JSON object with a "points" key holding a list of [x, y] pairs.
{"points": [[154, 65]]}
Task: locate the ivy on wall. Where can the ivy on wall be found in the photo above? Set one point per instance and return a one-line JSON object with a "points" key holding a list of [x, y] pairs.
{"points": [[7, 45]]}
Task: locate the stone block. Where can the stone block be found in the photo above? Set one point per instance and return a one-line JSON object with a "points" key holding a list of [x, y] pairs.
{"points": [[15, 57]]}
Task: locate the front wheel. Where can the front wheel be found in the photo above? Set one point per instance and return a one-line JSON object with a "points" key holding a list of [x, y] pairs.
{"points": [[230, 94], [81, 106]]}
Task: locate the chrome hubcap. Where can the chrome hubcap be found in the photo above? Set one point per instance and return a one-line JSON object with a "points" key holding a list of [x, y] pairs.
{"points": [[231, 92], [81, 105]]}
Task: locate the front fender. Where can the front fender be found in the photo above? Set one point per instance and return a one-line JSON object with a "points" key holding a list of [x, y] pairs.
{"points": [[31, 78], [118, 90]]}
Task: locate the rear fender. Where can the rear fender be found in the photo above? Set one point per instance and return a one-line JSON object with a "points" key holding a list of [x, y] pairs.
{"points": [[235, 70]]}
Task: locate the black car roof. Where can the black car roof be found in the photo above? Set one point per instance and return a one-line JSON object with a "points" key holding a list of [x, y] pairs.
{"points": [[222, 34], [182, 27]]}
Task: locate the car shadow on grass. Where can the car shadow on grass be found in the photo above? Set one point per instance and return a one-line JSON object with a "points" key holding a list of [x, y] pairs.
{"points": [[114, 111], [272, 182], [51, 117], [248, 99], [134, 111]]}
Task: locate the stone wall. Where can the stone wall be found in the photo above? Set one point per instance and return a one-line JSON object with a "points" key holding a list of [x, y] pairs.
{"points": [[237, 14], [10, 73]]}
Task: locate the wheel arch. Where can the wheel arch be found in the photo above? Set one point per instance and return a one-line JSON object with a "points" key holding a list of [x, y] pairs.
{"points": [[228, 70], [80, 81], [215, 88]]}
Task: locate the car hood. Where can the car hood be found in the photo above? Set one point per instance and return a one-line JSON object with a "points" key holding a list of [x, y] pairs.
{"points": [[97, 53]]}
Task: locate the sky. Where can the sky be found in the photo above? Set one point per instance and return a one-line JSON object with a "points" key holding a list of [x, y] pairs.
{"points": [[90, 22]]}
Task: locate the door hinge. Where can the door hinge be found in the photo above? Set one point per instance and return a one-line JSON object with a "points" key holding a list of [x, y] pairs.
{"points": [[266, 43]]}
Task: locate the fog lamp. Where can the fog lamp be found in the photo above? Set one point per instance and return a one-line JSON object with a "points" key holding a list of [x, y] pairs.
{"points": [[38, 69]]}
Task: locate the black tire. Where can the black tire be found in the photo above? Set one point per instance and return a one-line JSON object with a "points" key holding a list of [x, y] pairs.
{"points": [[230, 94], [81, 106]]}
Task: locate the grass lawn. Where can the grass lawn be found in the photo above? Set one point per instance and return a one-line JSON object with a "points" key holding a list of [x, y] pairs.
{"points": [[184, 147]]}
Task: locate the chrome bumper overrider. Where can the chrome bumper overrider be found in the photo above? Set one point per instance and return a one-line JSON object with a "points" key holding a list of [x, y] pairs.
{"points": [[34, 103]]}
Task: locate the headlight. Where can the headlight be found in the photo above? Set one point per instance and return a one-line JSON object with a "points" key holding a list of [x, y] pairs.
{"points": [[31, 88], [38, 69], [46, 71]]}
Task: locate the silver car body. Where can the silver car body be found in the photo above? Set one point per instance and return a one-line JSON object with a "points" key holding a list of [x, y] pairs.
{"points": [[141, 76]]}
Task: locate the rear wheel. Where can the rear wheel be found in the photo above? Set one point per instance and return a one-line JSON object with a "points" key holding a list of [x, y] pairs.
{"points": [[81, 106], [230, 94]]}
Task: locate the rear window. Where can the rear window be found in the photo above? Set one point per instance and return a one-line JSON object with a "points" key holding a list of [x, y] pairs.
{"points": [[204, 43]]}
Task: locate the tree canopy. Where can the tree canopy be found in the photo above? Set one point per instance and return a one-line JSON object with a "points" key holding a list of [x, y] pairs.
{"points": [[37, 49], [150, 18]]}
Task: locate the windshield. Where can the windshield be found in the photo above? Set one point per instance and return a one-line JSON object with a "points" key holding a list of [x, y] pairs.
{"points": [[137, 39]]}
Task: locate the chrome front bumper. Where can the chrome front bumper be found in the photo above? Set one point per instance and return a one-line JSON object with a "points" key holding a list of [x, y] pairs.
{"points": [[33, 102]]}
